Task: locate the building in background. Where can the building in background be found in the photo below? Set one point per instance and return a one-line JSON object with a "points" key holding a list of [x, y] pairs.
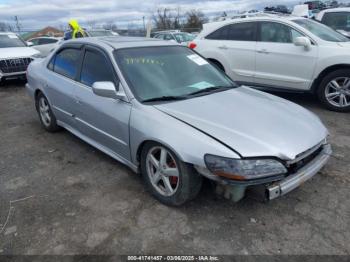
{"points": [[47, 31]]}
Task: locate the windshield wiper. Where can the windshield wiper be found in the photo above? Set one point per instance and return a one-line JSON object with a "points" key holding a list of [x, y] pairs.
{"points": [[210, 90], [164, 98]]}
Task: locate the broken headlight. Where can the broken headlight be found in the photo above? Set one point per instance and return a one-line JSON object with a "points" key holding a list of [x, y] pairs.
{"points": [[244, 169]]}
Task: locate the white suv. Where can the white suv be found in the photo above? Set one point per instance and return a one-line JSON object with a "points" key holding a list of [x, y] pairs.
{"points": [[15, 56], [281, 53]]}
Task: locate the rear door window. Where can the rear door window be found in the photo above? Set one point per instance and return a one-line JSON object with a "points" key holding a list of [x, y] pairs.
{"points": [[66, 62], [235, 32]]}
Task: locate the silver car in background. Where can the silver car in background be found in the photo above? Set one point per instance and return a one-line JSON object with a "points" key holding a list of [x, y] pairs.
{"points": [[164, 111]]}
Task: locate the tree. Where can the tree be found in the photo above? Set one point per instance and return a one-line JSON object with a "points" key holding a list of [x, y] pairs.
{"points": [[5, 27], [166, 18], [18, 24], [194, 21]]}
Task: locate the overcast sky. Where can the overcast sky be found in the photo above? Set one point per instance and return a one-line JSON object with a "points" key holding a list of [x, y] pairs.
{"points": [[34, 14]]}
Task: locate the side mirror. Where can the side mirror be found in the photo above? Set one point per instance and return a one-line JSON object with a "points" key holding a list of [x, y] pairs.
{"points": [[303, 41], [108, 89], [30, 43]]}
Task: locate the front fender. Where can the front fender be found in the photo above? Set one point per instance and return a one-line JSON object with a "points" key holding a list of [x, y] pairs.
{"points": [[332, 61], [189, 144]]}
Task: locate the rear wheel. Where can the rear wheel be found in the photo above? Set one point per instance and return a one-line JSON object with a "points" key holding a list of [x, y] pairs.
{"points": [[47, 118], [334, 90], [169, 180]]}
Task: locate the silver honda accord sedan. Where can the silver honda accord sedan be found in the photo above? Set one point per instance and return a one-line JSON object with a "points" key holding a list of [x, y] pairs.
{"points": [[166, 112]]}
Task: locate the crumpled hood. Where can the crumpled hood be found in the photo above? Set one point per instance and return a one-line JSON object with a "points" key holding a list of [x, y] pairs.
{"points": [[17, 52], [251, 122]]}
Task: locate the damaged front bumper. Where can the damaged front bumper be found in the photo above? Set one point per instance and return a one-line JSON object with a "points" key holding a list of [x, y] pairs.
{"points": [[293, 181], [274, 186]]}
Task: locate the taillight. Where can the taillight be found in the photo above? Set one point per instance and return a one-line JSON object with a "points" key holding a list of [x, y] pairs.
{"points": [[192, 45]]}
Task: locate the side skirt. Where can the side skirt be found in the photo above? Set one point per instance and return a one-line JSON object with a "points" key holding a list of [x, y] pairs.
{"points": [[100, 147]]}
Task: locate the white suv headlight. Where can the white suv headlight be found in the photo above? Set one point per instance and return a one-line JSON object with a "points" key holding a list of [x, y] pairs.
{"points": [[244, 169]]}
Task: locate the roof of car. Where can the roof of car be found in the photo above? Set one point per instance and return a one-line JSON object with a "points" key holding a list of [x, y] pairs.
{"points": [[262, 16], [118, 42]]}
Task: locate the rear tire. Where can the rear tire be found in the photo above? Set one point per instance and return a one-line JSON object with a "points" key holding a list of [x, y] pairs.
{"points": [[171, 181], [334, 90], [47, 118]]}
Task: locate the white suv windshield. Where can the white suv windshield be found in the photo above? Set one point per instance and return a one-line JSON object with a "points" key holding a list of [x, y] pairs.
{"points": [[10, 41], [321, 31]]}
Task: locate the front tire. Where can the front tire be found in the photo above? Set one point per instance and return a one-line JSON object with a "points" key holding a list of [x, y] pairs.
{"points": [[334, 90], [168, 179], [47, 118]]}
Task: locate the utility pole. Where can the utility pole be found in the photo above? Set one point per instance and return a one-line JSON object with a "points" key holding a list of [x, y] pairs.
{"points": [[144, 25], [18, 25]]}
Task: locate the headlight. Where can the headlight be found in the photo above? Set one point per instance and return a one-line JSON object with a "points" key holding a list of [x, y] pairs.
{"points": [[244, 169]]}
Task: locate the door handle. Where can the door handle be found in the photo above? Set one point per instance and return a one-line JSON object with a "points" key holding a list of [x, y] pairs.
{"points": [[263, 51], [223, 47], [78, 102]]}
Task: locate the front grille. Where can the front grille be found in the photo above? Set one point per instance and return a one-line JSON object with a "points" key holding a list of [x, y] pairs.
{"points": [[14, 65], [293, 168]]}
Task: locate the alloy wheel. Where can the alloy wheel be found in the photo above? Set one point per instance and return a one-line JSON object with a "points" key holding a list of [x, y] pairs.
{"points": [[337, 92], [162, 171], [44, 110]]}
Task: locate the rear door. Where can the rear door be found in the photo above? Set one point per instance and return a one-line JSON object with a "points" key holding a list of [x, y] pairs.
{"points": [[280, 63], [103, 120], [60, 83], [235, 48]]}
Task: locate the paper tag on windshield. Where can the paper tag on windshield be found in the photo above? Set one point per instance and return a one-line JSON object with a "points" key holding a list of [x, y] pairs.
{"points": [[197, 59], [12, 36]]}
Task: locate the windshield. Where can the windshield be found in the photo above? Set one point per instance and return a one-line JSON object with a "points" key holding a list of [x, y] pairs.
{"points": [[322, 31], [168, 71], [184, 37], [100, 33], [11, 40]]}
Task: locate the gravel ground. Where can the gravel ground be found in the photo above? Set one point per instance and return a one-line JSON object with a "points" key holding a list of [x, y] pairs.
{"points": [[58, 195]]}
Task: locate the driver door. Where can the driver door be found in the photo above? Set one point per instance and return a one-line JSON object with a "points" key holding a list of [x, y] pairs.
{"points": [[280, 63], [103, 120]]}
